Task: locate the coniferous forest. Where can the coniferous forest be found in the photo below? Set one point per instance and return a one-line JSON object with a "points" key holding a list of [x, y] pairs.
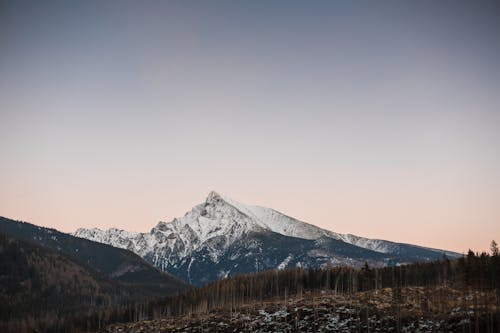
{"points": [[470, 284], [443, 288]]}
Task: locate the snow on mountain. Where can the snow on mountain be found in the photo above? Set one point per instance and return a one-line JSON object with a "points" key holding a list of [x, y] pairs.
{"points": [[216, 227], [219, 217]]}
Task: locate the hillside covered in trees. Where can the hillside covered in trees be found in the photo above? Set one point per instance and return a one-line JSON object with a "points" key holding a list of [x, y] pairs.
{"points": [[42, 288], [51, 281], [113, 263], [46, 290], [452, 294]]}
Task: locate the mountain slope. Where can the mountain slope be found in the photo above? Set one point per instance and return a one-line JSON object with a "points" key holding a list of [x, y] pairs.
{"points": [[223, 237], [114, 263], [37, 280]]}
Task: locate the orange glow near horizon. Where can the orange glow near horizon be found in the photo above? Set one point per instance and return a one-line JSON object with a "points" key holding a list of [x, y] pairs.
{"points": [[380, 120], [383, 217]]}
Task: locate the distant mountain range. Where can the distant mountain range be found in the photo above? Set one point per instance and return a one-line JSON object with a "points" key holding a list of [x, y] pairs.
{"points": [[222, 237]]}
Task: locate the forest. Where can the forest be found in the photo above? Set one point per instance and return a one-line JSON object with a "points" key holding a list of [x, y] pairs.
{"points": [[476, 276]]}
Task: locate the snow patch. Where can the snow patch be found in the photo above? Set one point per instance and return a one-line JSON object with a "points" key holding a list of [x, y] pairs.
{"points": [[285, 262]]}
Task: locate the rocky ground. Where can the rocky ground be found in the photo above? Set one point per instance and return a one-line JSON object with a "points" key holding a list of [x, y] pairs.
{"points": [[418, 310]]}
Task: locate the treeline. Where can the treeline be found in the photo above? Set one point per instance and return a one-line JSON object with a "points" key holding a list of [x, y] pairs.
{"points": [[473, 272]]}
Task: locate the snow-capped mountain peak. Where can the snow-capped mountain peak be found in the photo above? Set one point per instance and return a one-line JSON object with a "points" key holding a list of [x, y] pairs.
{"points": [[270, 219], [216, 229], [222, 219]]}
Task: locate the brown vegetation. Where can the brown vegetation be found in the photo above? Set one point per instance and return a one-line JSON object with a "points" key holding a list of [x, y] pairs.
{"points": [[460, 293], [420, 309]]}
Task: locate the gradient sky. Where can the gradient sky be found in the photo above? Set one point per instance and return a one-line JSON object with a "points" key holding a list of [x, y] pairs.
{"points": [[380, 119]]}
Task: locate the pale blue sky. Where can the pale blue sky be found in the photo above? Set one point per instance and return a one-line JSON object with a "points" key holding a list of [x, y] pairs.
{"points": [[379, 119]]}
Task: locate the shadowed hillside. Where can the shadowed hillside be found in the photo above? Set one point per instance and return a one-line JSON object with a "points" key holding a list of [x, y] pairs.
{"points": [[52, 282], [43, 288], [117, 264]]}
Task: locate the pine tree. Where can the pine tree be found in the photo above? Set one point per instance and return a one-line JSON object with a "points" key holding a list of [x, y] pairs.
{"points": [[494, 248]]}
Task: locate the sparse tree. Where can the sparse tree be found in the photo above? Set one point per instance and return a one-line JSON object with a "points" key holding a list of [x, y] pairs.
{"points": [[494, 248]]}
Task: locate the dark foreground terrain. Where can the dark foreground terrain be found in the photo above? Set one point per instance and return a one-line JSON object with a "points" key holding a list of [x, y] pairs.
{"points": [[444, 296], [45, 288], [419, 309]]}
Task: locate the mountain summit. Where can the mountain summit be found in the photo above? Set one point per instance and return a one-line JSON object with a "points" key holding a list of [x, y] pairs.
{"points": [[222, 237]]}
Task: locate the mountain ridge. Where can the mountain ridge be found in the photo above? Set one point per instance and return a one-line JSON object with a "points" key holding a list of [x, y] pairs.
{"points": [[213, 229]]}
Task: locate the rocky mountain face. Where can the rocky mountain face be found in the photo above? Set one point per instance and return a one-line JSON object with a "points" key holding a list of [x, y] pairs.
{"points": [[222, 237]]}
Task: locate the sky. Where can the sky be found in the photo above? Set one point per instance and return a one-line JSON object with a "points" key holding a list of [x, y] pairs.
{"points": [[379, 119]]}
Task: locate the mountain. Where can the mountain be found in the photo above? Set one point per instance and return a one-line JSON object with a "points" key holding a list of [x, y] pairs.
{"points": [[222, 237], [113, 263]]}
